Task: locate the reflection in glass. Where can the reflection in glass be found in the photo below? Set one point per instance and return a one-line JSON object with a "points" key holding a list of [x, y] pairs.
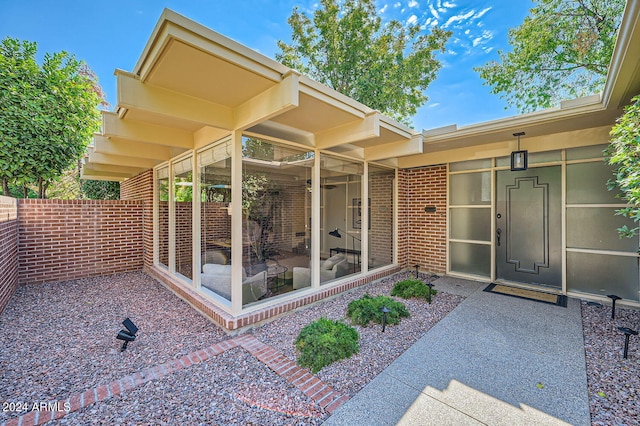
{"points": [[381, 184], [215, 219], [341, 214], [602, 224], [162, 176], [276, 208], [183, 206]]}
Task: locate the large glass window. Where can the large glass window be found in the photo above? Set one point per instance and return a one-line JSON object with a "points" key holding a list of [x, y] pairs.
{"points": [[162, 188], [183, 207], [276, 185], [215, 219], [341, 218], [381, 185]]}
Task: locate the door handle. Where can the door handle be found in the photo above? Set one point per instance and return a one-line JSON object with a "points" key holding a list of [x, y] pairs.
{"points": [[498, 233]]}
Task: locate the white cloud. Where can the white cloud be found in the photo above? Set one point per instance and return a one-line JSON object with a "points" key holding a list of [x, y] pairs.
{"points": [[481, 13], [433, 105], [458, 18], [448, 5], [413, 3], [397, 5], [434, 12], [383, 8], [412, 20]]}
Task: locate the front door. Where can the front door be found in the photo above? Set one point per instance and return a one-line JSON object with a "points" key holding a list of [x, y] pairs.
{"points": [[528, 226]]}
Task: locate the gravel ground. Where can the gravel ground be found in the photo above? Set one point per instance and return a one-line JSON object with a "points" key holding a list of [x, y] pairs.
{"points": [[613, 382], [231, 388], [377, 349], [59, 339]]}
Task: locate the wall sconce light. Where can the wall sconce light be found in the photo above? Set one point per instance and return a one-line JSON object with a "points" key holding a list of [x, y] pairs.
{"points": [[519, 159], [128, 335]]}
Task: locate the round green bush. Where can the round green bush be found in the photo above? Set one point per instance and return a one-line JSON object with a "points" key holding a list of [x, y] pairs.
{"points": [[325, 341], [367, 309], [410, 288]]}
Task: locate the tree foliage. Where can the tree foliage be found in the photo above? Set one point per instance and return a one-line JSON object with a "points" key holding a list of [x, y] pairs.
{"points": [[624, 154], [345, 46], [100, 190], [561, 51], [48, 114]]}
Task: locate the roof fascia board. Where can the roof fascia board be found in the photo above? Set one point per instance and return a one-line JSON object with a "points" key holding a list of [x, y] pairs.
{"points": [[332, 97], [175, 26], [134, 94], [413, 146], [107, 176], [357, 130], [274, 101], [615, 89], [117, 146], [115, 127], [535, 118], [119, 160]]}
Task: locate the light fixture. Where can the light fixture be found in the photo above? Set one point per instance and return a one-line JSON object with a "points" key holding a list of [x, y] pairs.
{"points": [[336, 233], [128, 335], [519, 159], [384, 311]]}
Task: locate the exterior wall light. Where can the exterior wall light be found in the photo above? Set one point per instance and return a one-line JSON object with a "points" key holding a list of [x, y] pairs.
{"points": [[519, 159]]}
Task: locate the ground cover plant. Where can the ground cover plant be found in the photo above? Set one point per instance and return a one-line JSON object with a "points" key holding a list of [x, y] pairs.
{"points": [[369, 309], [408, 289], [325, 341]]}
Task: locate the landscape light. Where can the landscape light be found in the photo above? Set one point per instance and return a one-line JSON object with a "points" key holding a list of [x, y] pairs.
{"points": [[128, 335]]}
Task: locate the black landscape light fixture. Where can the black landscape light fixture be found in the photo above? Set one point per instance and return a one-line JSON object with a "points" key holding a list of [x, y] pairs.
{"points": [[417, 267], [430, 285], [627, 332], [128, 335], [613, 298], [519, 159], [384, 311]]}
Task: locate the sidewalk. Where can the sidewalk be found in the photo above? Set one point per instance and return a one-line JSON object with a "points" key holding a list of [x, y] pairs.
{"points": [[494, 360]]}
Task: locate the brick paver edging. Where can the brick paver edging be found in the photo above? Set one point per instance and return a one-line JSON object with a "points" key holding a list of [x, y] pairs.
{"points": [[311, 386]]}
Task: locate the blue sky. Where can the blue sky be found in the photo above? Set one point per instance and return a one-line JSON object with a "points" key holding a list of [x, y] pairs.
{"points": [[111, 34]]}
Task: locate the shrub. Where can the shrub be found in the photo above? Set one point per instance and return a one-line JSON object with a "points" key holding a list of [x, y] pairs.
{"points": [[412, 288], [367, 309], [325, 341]]}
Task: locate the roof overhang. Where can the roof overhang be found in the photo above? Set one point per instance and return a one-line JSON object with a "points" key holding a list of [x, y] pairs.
{"points": [[590, 116], [193, 86]]}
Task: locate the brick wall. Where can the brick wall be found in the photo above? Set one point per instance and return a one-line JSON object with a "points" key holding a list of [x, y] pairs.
{"points": [[8, 249], [140, 188], [422, 236], [68, 239]]}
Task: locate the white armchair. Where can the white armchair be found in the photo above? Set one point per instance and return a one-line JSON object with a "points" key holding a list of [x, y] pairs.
{"points": [[334, 267], [217, 278]]}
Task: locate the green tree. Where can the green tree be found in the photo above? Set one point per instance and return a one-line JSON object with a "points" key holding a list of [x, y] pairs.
{"points": [[48, 114], [561, 51], [624, 154], [100, 190], [345, 46]]}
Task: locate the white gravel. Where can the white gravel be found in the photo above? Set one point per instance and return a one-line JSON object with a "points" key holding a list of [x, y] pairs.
{"points": [[58, 339]]}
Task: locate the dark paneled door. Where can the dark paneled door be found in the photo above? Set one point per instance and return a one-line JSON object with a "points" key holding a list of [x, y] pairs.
{"points": [[528, 226]]}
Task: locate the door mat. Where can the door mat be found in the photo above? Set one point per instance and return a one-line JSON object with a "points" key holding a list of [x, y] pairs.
{"points": [[538, 296]]}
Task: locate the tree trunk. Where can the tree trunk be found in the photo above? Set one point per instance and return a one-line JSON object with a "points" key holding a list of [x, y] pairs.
{"points": [[25, 192], [5, 188]]}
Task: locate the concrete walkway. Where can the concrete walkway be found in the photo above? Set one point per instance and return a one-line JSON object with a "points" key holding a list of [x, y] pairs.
{"points": [[494, 360]]}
